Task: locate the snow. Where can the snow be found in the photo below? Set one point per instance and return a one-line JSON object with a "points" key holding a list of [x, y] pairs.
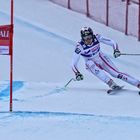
{"points": [[44, 41]]}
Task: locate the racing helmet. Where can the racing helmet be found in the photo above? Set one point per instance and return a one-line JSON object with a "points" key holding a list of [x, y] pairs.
{"points": [[87, 35]]}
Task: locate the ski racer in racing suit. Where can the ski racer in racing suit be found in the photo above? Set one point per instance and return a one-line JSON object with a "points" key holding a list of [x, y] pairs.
{"points": [[96, 61]]}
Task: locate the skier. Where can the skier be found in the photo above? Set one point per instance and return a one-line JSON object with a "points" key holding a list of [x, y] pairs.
{"points": [[96, 61]]}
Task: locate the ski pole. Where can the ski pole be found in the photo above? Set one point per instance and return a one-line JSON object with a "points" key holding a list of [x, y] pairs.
{"points": [[130, 54], [72, 79]]}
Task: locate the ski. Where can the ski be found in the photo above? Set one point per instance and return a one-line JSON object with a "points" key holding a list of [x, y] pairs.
{"points": [[113, 91]]}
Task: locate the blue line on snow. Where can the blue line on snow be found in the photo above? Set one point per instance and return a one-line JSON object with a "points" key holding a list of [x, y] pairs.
{"points": [[16, 86], [102, 118]]}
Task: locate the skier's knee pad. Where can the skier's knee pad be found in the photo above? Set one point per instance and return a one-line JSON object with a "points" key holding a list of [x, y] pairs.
{"points": [[122, 76]]}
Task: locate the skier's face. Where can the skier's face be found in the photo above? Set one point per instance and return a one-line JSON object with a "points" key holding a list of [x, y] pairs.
{"points": [[88, 39]]}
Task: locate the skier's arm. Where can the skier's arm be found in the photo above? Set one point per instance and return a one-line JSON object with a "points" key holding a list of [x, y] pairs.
{"points": [[110, 42], [75, 60], [107, 41]]}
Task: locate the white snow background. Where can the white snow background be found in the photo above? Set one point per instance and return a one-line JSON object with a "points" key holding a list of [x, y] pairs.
{"points": [[44, 40]]}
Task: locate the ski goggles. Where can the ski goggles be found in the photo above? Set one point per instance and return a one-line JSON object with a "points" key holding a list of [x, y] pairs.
{"points": [[87, 37]]}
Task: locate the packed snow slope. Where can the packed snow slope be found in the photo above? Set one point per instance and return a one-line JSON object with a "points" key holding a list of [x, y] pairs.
{"points": [[44, 39]]}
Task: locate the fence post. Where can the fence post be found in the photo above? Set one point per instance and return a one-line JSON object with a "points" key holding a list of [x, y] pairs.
{"points": [[139, 23], [126, 18], [87, 7], [107, 12], [69, 7]]}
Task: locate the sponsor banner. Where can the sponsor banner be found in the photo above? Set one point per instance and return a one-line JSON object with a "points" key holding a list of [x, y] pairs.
{"points": [[5, 31]]}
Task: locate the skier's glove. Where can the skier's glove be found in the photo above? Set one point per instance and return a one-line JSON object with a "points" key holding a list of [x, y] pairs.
{"points": [[79, 76], [116, 53]]}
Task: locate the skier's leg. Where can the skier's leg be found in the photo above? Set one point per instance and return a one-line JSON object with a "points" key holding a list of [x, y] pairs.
{"points": [[111, 69], [91, 66]]}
